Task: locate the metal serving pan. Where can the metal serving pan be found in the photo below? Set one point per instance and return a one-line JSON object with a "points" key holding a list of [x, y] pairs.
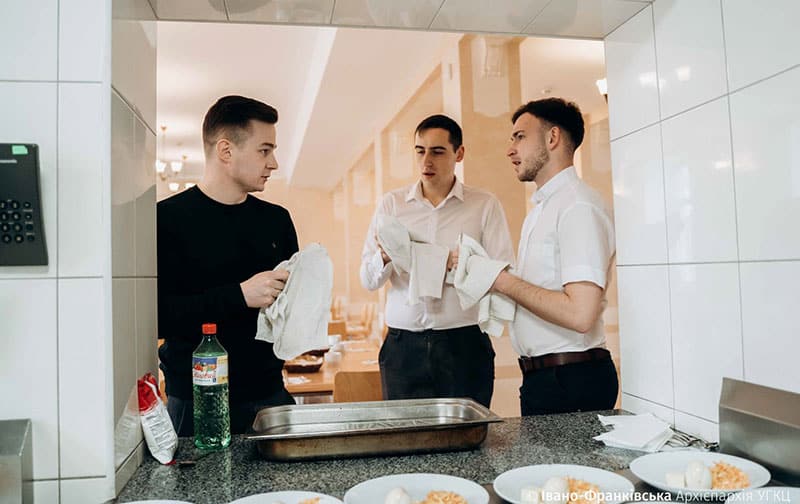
{"points": [[338, 430]]}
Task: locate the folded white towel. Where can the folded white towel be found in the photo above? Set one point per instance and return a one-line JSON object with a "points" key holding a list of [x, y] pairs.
{"points": [[425, 263], [635, 432], [394, 239], [298, 320], [474, 276]]}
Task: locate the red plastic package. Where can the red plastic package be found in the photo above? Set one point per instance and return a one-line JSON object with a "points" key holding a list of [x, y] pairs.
{"points": [[156, 424]]}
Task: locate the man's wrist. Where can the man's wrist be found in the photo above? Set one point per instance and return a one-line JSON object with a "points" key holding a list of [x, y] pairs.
{"points": [[500, 282]]}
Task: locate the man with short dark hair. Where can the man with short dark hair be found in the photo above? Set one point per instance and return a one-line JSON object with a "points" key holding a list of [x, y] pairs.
{"points": [[217, 247], [434, 348], [564, 260]]}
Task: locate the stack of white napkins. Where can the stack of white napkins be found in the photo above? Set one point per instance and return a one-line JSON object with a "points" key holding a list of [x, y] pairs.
{"points": [[635, 432]]}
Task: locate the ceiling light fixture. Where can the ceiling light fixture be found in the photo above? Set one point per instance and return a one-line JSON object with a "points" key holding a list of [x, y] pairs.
{"points": [[175, 167]]}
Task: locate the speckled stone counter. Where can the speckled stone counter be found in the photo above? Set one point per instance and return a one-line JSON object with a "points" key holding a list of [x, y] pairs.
{"points": [[239, 471]]}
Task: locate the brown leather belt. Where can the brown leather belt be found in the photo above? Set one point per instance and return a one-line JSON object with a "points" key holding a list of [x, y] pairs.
{"points": [[529, 364]]}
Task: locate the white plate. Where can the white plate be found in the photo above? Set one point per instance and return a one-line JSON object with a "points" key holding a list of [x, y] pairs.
{"points": [[288, 497], [652, 469], [417, 486], [766, 495], [509, 485], [159, 501]]}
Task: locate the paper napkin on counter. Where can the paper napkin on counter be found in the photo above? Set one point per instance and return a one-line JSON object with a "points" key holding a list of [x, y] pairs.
{"points": [[635, 432]]}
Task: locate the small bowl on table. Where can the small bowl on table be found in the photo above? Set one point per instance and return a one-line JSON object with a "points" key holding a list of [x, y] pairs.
{"points": [[303, 364]]}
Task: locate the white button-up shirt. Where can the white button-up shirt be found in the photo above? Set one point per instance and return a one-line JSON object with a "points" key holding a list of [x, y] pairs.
{"points": [[567, 237], [465, 210]]}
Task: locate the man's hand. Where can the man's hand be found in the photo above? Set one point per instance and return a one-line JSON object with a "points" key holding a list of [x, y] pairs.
{"points": [[384, 256], [452, 259], [261, 289]]}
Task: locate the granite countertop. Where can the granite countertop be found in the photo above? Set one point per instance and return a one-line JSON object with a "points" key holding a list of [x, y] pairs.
{"points": [[239, 471]]}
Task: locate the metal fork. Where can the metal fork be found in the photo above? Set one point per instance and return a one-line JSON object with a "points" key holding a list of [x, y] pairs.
{"points": [[682, 439]]}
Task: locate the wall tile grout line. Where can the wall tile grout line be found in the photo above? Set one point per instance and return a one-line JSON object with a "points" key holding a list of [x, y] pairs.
{"points": [[58, 257], [644, 4], [47, 81], [535, 17], [763, 79], [133, 110], [696, 263], [733, 178], [666, 224], [694, 107], [436, 14]]}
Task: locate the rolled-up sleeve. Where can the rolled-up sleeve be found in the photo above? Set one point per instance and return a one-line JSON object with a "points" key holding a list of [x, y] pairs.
{"points": [[586, 243]]}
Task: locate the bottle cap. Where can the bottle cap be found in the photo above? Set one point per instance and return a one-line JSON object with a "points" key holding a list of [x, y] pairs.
{"points": [[209, 328]]}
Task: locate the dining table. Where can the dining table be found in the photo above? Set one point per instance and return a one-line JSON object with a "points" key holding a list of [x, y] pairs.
{"points": [[347, 355]]}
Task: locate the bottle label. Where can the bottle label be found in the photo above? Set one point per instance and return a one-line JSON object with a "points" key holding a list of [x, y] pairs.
{"points": [[210, 370]]}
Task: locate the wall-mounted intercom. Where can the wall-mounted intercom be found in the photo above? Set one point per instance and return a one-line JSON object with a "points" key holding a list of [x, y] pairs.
{"points": [[21, 230]]}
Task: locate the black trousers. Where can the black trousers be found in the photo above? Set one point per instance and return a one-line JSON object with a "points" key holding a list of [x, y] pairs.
{"points": [[181, 412], [585, 386], [438, 363]]}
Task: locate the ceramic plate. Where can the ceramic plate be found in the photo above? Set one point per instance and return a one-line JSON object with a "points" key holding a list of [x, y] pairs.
{"points": [[289, 497], [766, 495], [418, 485], [509, 485], [159, 501], [652, 469]]}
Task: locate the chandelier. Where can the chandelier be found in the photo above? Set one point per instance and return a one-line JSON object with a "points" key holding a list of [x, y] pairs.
{"points": [[167, 169]]}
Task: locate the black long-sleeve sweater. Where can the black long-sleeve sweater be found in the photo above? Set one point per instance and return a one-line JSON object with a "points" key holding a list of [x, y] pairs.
{"points": [[205, 250]]}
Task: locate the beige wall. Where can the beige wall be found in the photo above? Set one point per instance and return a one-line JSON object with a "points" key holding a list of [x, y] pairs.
{"points": [[361, 206], [486, 109]]}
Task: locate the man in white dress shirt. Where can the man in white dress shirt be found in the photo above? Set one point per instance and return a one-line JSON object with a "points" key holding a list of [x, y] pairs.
{"points": [[564, 260], [434, 348]]}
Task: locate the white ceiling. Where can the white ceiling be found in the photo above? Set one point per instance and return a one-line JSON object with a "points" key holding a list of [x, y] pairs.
{"points": [[570, 18], [335, 88]]}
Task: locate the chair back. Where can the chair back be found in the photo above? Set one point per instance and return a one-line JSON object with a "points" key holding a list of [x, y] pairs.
{"points": [[338, 327], [357, 386]]}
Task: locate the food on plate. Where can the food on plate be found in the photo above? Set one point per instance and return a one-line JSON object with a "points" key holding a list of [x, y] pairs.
{"points": [[562, 490], [697, 476], [443, 497], [398, 496], [728, 477]]}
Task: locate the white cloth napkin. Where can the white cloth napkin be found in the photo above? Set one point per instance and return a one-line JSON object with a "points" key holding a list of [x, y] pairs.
{"points": [[425, 263], [635, 432], [298, 319], [474, 276]]}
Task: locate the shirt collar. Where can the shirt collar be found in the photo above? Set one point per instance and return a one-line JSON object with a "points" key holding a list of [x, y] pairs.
{"points": [[415, 192], [561, 179]]}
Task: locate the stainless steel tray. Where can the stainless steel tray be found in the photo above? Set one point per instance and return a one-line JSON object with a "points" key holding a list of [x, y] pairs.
{"points": [[337, 430]]}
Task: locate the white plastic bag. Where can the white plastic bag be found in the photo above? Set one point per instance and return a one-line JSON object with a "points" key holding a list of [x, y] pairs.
{"points": [[156, 424]]}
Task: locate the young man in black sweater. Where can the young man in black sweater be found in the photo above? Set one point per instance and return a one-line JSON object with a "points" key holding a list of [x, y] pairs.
{"points": [[217, 247]]}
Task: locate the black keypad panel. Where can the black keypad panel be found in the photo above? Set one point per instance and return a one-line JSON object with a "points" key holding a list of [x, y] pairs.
{"points": [[22, 236], [16, 226]]}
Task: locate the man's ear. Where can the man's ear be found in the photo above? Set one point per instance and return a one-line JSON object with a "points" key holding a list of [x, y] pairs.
{"points": [[223, 150], [460, 153], [554, 137]]}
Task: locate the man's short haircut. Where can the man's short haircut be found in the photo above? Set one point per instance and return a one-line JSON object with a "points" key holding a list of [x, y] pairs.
{"points": [[442, 122], [230, 118], [556, 112]]}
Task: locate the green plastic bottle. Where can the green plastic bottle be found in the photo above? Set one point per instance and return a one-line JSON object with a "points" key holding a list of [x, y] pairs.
{"points": [[212, 421]]}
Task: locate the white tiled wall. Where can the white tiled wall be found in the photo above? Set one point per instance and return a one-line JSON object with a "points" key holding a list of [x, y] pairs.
{"points": [[133, 217], [55, 91], [705, 124]]}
